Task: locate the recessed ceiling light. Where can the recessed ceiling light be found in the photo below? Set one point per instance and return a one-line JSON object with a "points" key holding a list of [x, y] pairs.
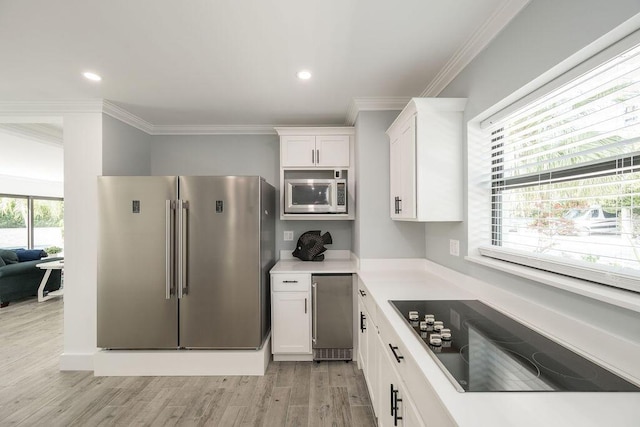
{"points": [[304, 75], [92, 76]]}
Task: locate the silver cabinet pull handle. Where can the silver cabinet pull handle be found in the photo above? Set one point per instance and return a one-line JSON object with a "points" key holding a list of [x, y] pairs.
{"points": [[305, 306], [313, 159], [318, 156], [315, 312], [289, 281]]}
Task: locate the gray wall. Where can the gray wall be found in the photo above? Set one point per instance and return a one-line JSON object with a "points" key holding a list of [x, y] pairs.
{"points": [[542, 35], [125, 149], [238, 155], [375, 234]]}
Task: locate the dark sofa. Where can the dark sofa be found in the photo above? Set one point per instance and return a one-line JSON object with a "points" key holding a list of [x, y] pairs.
{"points": [[21, 279]]}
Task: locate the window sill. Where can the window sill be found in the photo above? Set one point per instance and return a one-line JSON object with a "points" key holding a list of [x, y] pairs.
{"points": [[618, 297]]}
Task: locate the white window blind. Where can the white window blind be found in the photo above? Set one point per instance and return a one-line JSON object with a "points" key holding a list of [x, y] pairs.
{"points": [[565, 178]]}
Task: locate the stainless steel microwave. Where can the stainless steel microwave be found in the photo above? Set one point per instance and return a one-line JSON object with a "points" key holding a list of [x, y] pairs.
{"points": [[315, 196]]}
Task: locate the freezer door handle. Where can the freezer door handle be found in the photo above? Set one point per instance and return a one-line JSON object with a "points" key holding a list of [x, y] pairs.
{"points": [[168, 259], [315, 312], [180, 239]]}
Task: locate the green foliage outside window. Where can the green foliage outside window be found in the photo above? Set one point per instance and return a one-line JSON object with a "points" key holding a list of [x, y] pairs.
{"points": [[13, 213], [47, 213]]}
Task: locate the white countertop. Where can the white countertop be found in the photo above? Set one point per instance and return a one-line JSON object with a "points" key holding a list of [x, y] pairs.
{"points": [[340, 264], [386, 281]]}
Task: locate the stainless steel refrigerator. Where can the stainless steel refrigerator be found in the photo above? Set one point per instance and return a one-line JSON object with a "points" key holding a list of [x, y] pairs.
{"points": [[183, 262]]}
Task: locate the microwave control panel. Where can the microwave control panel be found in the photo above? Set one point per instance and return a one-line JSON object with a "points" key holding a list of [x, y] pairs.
{"points": [[341, 194]]}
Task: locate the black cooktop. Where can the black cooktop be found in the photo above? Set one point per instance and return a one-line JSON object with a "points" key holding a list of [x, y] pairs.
{"points": [[481, 349]]}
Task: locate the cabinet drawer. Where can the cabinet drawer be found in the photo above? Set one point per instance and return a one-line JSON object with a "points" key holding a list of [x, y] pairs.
{"points": [[290, 282], [392, 345], [428, 403], [367, 300]]}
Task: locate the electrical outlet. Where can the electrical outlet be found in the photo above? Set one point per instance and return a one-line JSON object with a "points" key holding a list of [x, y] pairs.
{"points": [[454, 247], [288, 236]]}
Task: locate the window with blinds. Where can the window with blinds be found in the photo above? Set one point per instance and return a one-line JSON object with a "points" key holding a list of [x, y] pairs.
{"points": [[565, 178]]}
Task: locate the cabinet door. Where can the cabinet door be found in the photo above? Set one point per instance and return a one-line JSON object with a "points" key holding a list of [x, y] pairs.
{"points": [[332, 151], [402, 169], [291, 322], [388, 381], [298, 151], [363, 360], [367, 343], [395, 407], [407, 169], [395, 179], [371, 374]]}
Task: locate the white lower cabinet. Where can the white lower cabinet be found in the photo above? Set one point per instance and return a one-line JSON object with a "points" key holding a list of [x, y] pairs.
{"points": [[291, 313], [400, 393], [291, 316], [395, 406], [367, 354]]}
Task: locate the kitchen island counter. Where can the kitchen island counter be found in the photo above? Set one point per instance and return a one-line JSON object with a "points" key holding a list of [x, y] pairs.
{"points": [[423, 280]]}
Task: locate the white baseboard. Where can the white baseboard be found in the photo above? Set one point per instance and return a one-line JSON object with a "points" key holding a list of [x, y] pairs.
{"points": [[76, 362], [182, 362]]}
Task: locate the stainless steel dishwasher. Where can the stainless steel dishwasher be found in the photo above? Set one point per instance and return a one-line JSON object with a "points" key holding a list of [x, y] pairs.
{"points": [[332, 316]]}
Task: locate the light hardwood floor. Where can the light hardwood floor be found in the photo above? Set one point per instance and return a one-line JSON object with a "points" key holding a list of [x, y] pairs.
{"points": [[33, 392]]}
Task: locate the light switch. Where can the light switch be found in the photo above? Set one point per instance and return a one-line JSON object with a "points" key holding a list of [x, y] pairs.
{"points": [[288, 236]]}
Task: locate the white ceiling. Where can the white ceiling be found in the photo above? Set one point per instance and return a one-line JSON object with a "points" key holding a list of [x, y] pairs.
{"points": [[233, 62]]}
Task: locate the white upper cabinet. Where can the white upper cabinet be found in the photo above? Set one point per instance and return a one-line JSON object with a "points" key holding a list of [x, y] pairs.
{"points": [[323, 153], [403, 171], [426, 160], [299, 151], [332, 151], [327, 151]]}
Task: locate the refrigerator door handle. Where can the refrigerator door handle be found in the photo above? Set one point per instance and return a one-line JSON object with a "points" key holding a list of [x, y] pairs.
{"points": [[168, 259], [180, 239], [315, 312], [184, 223]]}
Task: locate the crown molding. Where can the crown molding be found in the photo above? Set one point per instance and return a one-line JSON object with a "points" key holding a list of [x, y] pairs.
{"points": [[382, 103], [212, 130], [314, 130], [474, 45], [119, 113], [34, 131]]}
